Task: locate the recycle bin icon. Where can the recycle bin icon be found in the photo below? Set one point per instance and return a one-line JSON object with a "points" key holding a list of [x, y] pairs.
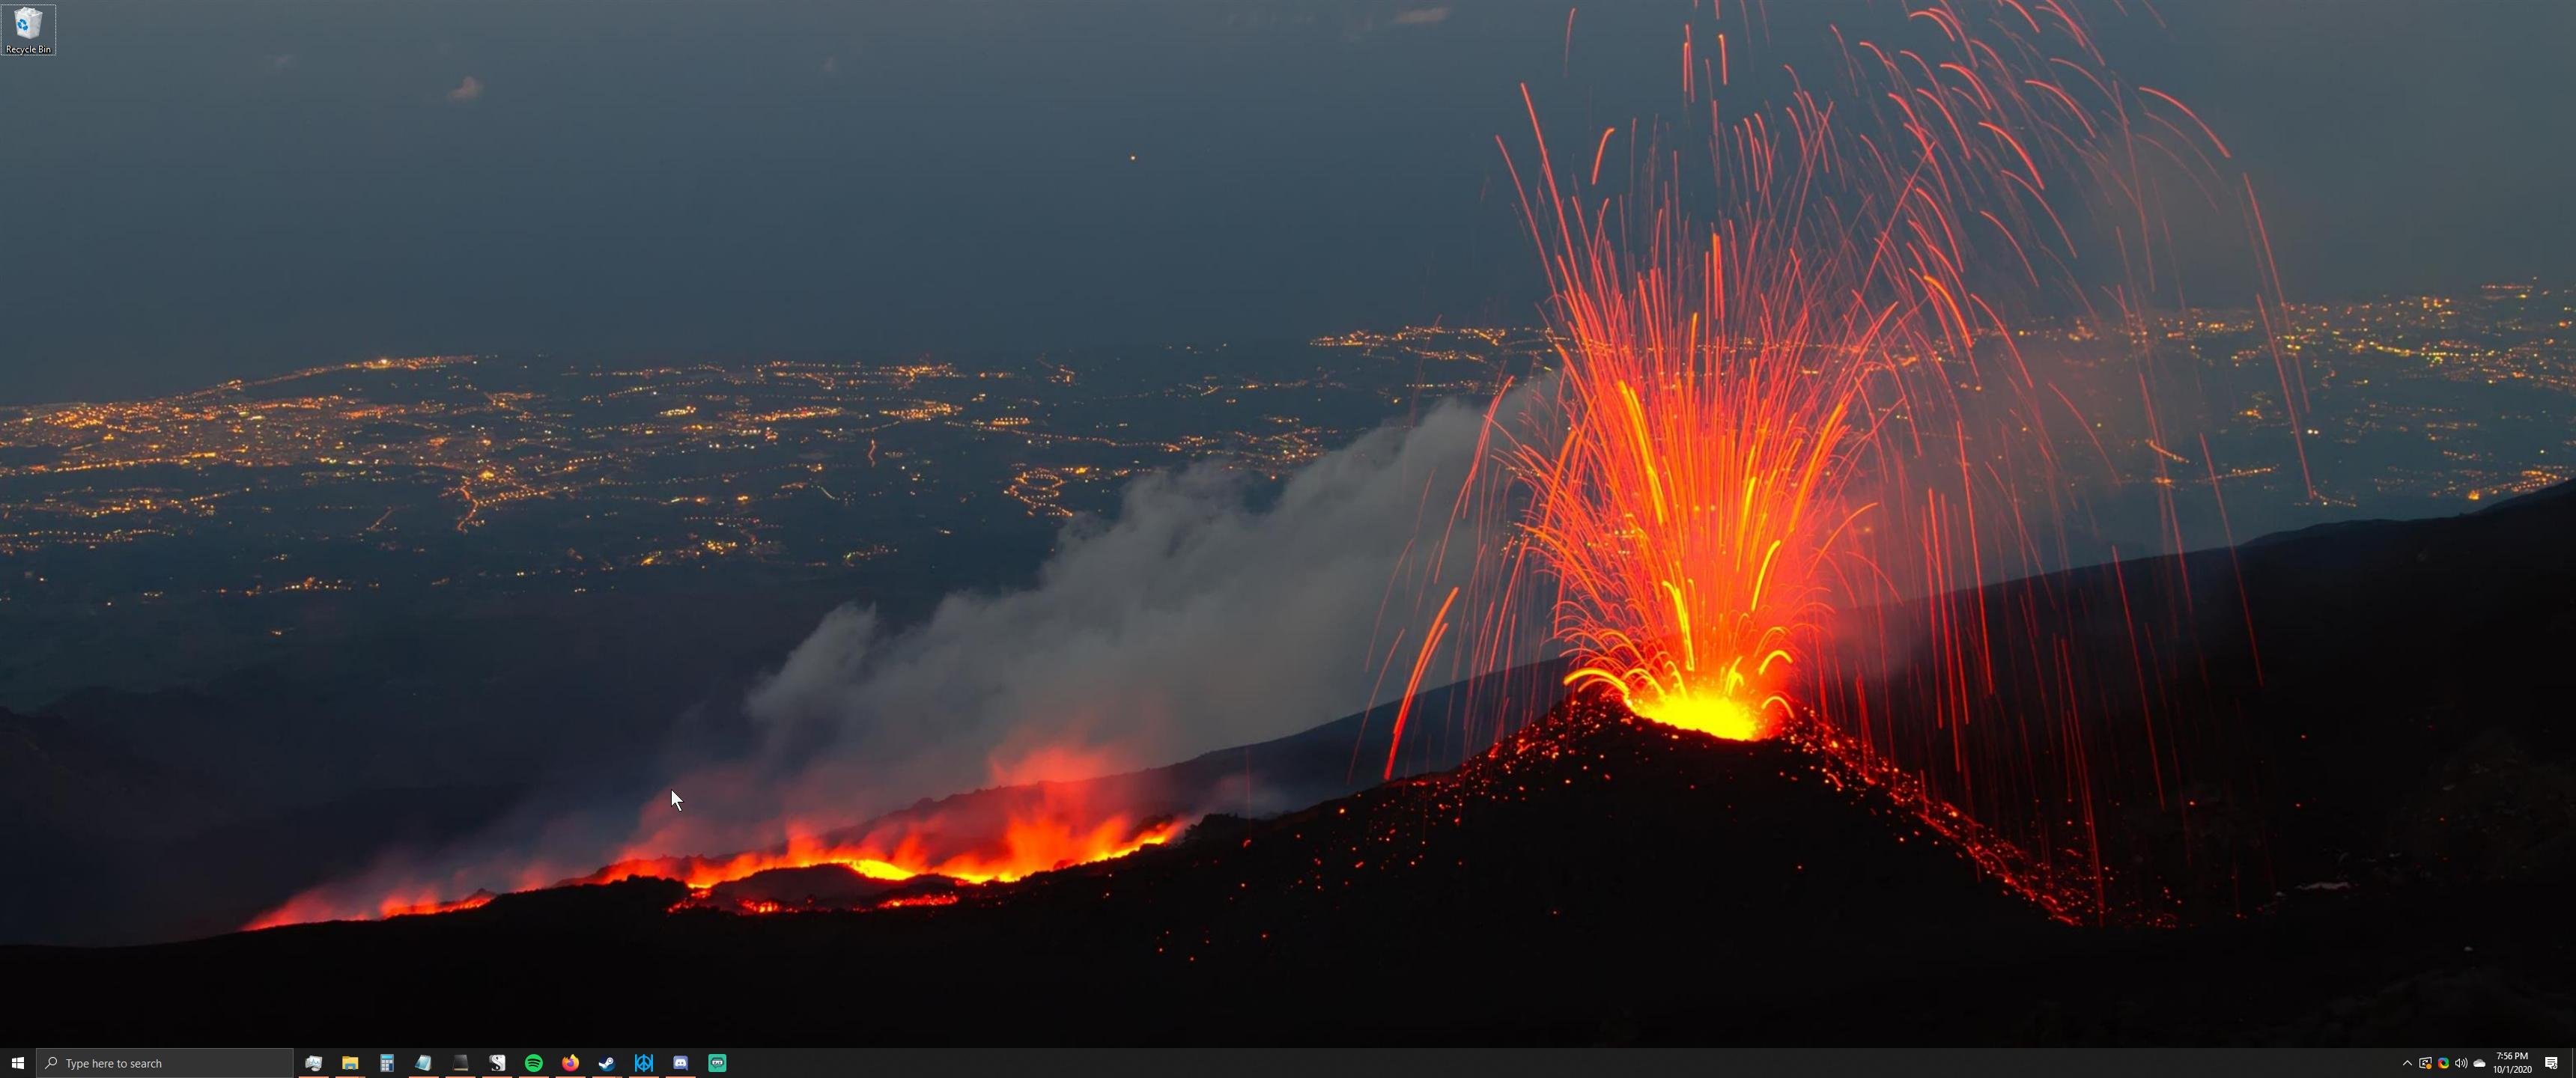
{"points": [[31, 22]]}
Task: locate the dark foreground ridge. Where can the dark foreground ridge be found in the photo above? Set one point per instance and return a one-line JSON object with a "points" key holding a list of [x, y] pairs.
{"points": [[1599, 879], [1595, 878]]}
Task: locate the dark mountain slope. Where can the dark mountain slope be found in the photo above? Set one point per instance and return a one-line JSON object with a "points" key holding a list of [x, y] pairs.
{"points": [[1601, 879], [1596, 878]]}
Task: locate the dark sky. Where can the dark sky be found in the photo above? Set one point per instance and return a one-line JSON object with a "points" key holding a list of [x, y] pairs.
{"points": [[207, 189]]}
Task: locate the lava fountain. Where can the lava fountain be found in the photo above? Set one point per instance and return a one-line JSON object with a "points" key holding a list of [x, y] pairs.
{"points": [[1695, 502], [1795, 432]]}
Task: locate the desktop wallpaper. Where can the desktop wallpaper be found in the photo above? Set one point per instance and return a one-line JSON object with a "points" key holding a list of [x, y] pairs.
{"points": [[1249, 522]]}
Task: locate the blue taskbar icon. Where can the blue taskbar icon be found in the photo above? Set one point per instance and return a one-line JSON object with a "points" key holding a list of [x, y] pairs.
{"points": [[643, 1065]]}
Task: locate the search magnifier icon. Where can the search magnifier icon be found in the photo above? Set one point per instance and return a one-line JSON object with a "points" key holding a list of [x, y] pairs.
{"points": [[50, 1061]]}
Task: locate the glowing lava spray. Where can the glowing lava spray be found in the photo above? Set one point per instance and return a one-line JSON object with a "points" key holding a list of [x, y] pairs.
{"points": [[1795, 437]]}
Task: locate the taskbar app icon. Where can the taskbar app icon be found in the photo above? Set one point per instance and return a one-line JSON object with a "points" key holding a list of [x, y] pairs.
{"points": [[507, 1065]]}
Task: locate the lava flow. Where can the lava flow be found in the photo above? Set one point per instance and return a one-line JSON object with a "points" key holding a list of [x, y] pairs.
{"points": [[994, 837], [903, 850]]}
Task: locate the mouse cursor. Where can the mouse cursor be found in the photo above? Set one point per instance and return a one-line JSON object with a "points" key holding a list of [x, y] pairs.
{"points": [[675, 801]]}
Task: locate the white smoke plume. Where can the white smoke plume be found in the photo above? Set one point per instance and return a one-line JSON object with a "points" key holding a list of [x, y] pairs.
{"points": [[1193, 620]]}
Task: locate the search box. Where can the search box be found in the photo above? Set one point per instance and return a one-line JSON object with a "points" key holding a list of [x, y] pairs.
{"points": [[166, 1062]]}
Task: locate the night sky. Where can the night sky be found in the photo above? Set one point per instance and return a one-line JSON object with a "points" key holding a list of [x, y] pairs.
{"points": [[204, 190]]}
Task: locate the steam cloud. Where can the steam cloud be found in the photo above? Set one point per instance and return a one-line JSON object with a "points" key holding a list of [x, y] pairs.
{"points": [[1194, 620]]}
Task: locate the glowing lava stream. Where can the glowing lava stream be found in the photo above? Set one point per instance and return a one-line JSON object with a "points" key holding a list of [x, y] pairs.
{"points": [[1059, 833], [1029, 847]]}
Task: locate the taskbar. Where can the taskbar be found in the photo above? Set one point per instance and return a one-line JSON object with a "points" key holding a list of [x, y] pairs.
{"points": [[1139, 1062]]}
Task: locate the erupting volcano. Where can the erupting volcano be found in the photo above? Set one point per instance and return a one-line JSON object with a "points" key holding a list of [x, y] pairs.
{"points": [[1792, 419], [1790, 435]]}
